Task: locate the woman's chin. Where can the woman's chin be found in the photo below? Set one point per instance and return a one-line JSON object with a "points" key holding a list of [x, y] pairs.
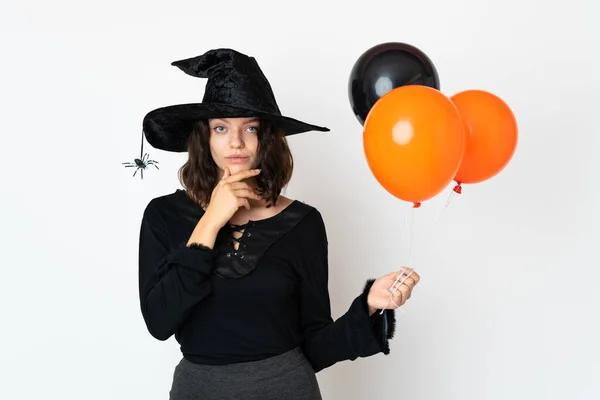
{"points": [[235, 168]]}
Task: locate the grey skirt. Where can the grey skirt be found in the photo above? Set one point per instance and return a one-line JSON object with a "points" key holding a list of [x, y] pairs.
{"points": [[287, 376]]}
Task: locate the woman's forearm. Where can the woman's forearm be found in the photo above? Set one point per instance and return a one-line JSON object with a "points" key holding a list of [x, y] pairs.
{"points": [[204, 233]]}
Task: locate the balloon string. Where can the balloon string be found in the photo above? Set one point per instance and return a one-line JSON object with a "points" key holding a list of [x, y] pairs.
{"points": [[448, 201], [409, 224], [410, 220]]}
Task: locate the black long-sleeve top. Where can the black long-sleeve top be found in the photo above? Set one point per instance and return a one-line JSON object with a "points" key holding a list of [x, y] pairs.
{"points": [[263, 299]]}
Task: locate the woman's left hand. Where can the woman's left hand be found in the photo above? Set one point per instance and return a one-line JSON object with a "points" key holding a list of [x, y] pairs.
{"points": [[379, 295]]}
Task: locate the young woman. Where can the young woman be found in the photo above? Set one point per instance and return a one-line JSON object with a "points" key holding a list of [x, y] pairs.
{"points": [[235, 271]]}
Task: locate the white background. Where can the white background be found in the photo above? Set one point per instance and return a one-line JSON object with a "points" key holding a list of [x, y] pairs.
{"points": [[507, 307]]}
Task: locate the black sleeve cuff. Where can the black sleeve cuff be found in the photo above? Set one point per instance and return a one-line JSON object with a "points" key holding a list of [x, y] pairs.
{"points": [[196, 257], [383, 325]]}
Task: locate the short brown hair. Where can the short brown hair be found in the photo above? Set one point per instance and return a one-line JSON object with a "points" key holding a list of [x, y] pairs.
{"points": [[199, 174]]}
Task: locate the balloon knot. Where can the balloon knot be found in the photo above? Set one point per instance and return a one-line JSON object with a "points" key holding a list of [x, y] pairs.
{"points": [[458, 189], [417, 204]]}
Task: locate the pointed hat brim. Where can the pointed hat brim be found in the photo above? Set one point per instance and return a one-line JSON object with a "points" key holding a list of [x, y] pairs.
{"points": [[168, 128]]}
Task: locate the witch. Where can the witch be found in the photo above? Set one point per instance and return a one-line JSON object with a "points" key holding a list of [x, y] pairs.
{"points": [[237, 272]]}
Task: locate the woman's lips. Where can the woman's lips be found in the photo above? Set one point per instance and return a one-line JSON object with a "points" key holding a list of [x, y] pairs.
{"points": [[237, 159]]}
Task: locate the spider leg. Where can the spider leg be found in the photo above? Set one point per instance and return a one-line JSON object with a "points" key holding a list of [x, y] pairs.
{"points": [[142, 173], [131, 165], [135, 172], [155, 166], [128, 163]]}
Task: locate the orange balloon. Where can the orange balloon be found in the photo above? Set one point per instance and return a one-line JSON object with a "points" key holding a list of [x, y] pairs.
{"points": [[414, 141], [491, 138]]}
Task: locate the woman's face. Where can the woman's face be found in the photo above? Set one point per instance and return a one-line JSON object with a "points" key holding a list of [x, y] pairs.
{"points": [[234, 143]]}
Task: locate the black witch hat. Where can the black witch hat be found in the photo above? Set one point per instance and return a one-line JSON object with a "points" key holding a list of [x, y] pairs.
{"points": [[236, 87]]}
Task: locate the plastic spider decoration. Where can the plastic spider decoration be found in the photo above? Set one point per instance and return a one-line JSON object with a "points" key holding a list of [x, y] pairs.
{"points": [[141, 164]]}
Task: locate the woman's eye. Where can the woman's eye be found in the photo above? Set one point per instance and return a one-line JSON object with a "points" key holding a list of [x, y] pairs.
{"points": [[219, 129], [253, 129]]}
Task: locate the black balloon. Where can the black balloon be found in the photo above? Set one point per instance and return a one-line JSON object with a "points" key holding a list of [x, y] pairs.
{"points": [[385, 67]]}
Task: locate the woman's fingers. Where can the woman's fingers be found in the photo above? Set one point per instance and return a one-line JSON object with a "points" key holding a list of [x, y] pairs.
{"points": [[239, 176], [243, 202], [404, 282], [247, 193], [402, 294], [239, 185]]}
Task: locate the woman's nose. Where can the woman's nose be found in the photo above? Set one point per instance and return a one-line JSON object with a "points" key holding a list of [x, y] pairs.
{"points": [[236, 140]]}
